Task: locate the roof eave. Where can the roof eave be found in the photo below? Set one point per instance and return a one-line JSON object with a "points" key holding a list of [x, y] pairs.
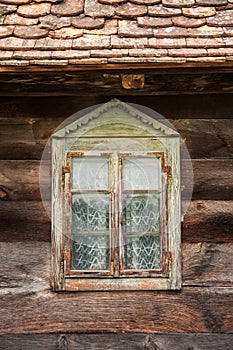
{"points": [[176, 68]]}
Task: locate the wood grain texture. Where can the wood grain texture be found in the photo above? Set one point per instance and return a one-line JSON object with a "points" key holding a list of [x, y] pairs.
{"points": [[130, 341], [205, 220], [213, 179], [109, 83], [26, 265], [194, 309], [19, 180], [25, 180], [28, 305], [179, 106], [24, 221], [207, 264], [208, 221], [205, 138], [28, 130]]}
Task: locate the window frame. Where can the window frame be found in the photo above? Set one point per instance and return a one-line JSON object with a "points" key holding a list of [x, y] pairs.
{"points": [[165, 172], [117, 126], [115, 192], [67, 195]]}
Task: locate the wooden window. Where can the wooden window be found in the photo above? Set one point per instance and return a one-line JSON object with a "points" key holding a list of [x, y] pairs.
{"points": [[116, 212]]}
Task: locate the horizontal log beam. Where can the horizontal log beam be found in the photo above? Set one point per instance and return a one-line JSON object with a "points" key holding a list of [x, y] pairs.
{"points": [[24, 220], [19, 179], [194, 309], [179, 106], [26, 265], [192, 68], [207, 138], [207, 264], [210, 221], [130, 341], [25, 138], [107, 83], [25, 290], [212, 179]]}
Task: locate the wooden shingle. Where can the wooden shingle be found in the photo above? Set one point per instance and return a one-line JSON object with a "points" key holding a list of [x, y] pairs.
{"points": [[192, 26]]}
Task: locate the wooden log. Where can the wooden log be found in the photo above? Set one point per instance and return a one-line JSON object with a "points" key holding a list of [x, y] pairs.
{"points": [[23, 180], [205, 221], [207, 138], [213, 179], [50, 106], [122, 341], [208, 221], [25, 138], [108, 83], [25, 290], [28, 130], [24, 221], [22, 150], [182, 107], [26, 265], [19, 179], [194, 309], [207, 264]]}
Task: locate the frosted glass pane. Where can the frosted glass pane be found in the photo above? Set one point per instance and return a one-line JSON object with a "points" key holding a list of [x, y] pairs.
{"points": [[141, 213], [90, 213], [142, 253], [90, 173], [141, 173], [90, 253]]}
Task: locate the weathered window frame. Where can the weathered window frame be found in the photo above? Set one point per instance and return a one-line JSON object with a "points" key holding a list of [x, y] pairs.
{"points": [[169, 277], [116, 267]]}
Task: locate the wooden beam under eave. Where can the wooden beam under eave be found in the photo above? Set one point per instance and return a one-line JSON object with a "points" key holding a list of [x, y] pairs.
{"points": [[110, 83], [161, 68]]}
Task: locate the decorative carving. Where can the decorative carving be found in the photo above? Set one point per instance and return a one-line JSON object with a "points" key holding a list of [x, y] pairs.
{"points": [[146, 121]]}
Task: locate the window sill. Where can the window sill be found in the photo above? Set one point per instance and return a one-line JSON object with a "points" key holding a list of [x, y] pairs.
{"points": [[120, 284]]}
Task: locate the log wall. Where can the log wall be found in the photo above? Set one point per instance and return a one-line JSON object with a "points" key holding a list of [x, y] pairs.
{"points": [[200, 316]]}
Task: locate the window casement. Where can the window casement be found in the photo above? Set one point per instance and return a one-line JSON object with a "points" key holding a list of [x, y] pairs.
{"points": [[116, 214], [116, 209]]}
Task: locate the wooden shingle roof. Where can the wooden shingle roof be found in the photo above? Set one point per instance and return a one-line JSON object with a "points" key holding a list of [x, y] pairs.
{"points": [[97, 32]]}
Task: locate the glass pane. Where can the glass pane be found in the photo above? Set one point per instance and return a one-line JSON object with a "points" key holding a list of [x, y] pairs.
{"points": [[90, 253], [90, 213], [90, 173], [141, 213], [142, 253], [141, 173]]}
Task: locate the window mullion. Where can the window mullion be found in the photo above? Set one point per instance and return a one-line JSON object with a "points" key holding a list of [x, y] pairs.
{"points": [[114, 219], [120, 208], [164, 212], [67, 221]]}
